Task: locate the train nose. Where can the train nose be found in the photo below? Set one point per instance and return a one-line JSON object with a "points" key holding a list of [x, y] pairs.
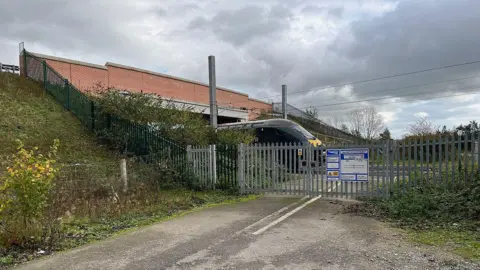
{"points": [[315, 142]]}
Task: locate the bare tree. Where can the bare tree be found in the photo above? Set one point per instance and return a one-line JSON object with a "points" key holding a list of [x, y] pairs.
{"points": [[335, 121], [344, 128], [312, 112], [422, 127], [365, 122]]}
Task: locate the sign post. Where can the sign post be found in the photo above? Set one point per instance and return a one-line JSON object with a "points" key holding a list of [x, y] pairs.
{"points": [[349, 165]]}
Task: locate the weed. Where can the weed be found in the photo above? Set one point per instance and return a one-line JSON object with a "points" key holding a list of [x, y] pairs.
{"points": [[6, 260], [24, 192], [445, 214]]}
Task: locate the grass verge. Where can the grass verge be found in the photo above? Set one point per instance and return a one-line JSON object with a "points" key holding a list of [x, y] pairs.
{"points": [[28, 113], [463, 243], [446, 215], [461, 237], [78, 231]]}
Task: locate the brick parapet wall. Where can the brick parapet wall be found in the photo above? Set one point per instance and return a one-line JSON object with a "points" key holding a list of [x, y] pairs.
{"points": [[87, 76]]}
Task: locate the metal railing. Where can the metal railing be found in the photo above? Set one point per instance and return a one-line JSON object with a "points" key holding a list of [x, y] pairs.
{"points": [[131, 138], [393, 167], [321, 128], [9, 68], [214, 165]]}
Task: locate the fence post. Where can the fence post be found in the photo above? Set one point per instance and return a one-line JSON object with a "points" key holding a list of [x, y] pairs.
{"points": [[25, 63], [189, 164], [67, 91], [189, 153], [241, 168], [209, 165], [123, 174], [215, 176], [310, 169], [45, 74], [1, 67], [92, 114], [477, 151], [213, 165], [391, 157]]}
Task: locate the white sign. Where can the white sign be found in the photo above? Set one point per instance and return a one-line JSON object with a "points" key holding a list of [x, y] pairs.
{"points": [[333, 165], [347, 165]]}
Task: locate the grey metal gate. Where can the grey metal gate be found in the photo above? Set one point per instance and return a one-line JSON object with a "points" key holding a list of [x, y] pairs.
{"points": [[202, 161], [301, 169]]}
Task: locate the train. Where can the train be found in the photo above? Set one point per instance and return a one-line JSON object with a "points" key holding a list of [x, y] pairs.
{"points": [[276, 131], [282, 131]]}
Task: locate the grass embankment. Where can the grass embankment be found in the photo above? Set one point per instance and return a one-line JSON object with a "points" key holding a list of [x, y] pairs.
{"points": [[28, 113], [445, 215], [87, 203]]}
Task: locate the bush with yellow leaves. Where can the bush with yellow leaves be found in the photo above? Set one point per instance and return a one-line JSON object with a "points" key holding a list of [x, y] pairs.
{"points": [[25, 192]]}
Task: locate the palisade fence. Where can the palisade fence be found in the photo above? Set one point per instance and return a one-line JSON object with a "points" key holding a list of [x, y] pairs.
{"points": [[214, 165], [394, 167], [444, 160], [132, 138], [300, 169]]}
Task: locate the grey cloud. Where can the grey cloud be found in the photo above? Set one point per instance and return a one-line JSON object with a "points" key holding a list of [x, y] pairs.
{"points": [[337, 12], [417, 35], [311, 9], [316, 10], [197, 23], [182, 9], [279, 12], [258, 46], [69, 26], [243, 25], [158, 11]]}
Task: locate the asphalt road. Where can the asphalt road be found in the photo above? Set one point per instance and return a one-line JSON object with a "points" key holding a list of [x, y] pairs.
{"points": [[268, 233]]}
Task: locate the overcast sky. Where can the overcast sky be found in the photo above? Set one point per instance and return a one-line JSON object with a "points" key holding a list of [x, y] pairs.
{"points": [[260, 45]]}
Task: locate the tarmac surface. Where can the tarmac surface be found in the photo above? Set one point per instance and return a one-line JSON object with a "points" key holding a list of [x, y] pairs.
{"points": [[268, 233]]}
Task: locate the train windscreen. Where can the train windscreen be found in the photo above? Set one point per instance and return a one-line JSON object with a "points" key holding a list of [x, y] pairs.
{"points": [[304, 132]]}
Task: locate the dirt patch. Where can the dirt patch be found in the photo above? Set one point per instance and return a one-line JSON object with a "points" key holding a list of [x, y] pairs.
{"points": [[400, 244]]}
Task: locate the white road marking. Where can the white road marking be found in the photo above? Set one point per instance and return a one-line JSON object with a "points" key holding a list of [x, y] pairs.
{"points": [[204, 252], [271, 215], [282, 218]]}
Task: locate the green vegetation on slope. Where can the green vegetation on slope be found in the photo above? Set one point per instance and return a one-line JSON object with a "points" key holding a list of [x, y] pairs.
{"points": [[28, 113], [447, 215], [84, 202], [151, 208]]}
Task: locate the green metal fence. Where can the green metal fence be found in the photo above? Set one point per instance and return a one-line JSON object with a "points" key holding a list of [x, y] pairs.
{"points": [[226, 159], [61, 90], [132, 138]]}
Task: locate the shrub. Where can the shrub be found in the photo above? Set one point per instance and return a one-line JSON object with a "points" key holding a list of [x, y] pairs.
{"points": [[235, 137], [441, 204], [25, 193], [179, 123]]}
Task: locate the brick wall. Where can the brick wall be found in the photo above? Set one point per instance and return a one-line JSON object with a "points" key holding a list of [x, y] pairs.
{"points": [[85, 76]]}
